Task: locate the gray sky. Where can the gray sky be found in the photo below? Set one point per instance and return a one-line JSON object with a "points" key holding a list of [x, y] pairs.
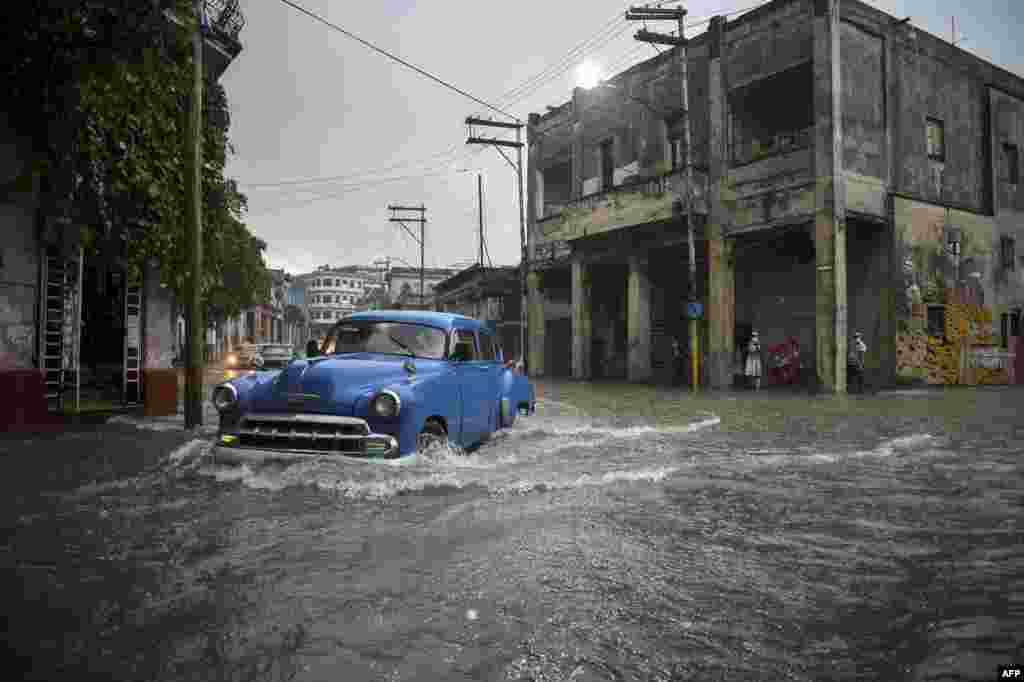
{"points": [[310, 102]]}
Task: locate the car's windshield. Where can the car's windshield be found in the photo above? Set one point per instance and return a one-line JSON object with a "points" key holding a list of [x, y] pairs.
{"points": [[399, 338]]}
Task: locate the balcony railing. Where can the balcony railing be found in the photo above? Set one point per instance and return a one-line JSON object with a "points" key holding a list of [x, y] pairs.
{"points": [[658, 184], [750, 150], [225, 16]]}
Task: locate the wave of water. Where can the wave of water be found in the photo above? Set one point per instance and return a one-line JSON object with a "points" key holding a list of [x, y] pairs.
{"points": [[540, 454]]}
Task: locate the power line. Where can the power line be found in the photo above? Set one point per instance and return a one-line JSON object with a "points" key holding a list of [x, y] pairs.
{"points": [[401, 61]]}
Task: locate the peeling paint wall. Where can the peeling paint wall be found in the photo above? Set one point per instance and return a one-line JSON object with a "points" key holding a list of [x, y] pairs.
{"points": [[19, 254], [771, 42]]}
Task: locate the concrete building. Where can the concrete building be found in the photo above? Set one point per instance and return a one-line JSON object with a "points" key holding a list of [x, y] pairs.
{"points": [[404, 286], [851, 173], [489, 294], [73, 325], [330, 293]]}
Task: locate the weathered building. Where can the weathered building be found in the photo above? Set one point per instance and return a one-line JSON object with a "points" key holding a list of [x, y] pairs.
{"points": [[404, 285], [851, 173], [489, 294]]}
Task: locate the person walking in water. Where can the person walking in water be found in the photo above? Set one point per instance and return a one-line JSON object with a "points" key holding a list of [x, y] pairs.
{"points": [[752, 368]]}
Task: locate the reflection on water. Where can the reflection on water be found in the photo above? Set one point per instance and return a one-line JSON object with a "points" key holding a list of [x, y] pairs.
{"points": [[566, 548]]}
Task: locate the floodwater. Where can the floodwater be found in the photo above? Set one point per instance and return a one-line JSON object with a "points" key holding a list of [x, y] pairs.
{"points": [[568, 548]]}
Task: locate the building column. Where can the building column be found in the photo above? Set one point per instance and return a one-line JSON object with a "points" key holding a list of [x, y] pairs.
{"points": [[537, 326], [638, 320], [830, 209], [582, 321], [721, 299]]}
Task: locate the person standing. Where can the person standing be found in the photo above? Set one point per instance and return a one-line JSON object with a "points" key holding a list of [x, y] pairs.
{"points": [[752, 368], [312, 349], [678, 362], [855, 362]]}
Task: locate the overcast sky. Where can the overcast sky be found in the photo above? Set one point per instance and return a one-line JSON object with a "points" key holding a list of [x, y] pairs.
{"points": [[308, 102]]}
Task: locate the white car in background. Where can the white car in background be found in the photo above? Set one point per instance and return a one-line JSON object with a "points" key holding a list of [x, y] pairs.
{"points": [[275, 355], [245, 356]]}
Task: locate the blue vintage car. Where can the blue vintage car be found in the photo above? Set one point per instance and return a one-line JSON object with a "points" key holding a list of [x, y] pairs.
{"points": [[385, 384]]}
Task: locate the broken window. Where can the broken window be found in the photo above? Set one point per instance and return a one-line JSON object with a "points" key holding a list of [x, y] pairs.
{"points": [[1010, 169], [1007, 251], [557, 183], [607, 166], [761, 127], [936, 139]]}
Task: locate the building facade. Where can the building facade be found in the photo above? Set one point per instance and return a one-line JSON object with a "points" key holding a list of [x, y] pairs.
{"points": [[330, 293], [884, 198], [489, 294], [403, 286]]}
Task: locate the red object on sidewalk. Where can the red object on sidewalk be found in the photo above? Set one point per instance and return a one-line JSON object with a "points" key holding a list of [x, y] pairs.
{"points": [[23, 406], [1017, 362], [785, 366]]}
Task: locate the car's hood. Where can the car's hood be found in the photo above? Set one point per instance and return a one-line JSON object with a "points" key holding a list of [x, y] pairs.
{"points": [[330, 385]]}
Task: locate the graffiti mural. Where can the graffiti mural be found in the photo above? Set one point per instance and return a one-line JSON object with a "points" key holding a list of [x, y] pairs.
{"points": [[945, 317]]}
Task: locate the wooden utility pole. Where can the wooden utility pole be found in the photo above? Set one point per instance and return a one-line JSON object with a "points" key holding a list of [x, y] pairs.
{"points": [[480, 200], [678, 14], [194, 327], [517, 165], [421, 240]]}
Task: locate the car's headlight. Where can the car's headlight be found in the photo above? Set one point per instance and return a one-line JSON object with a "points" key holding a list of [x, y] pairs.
{"points": [[385, 404], [224, 397]]}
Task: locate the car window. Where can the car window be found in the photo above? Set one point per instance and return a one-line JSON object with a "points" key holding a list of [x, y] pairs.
{"points": [[399, 338], [488, 351], [463, 346]]}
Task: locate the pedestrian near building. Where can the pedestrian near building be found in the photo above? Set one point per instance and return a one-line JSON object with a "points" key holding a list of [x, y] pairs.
{"points": [[855, 362], [753, 368], [678, 362], [312, 349]]}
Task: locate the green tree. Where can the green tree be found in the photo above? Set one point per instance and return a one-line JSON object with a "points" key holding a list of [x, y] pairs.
{"points": [[101, 87]]}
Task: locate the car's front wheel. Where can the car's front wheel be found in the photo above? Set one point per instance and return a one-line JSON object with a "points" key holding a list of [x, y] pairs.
{"points": [[432, 435]]}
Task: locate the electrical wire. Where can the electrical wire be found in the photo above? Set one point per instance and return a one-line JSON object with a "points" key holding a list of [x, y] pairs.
{"points": [[395, 58]]}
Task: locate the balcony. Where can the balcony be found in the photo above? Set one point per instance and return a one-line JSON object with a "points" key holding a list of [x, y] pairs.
{"points": [[635, 202], [224, 23]]}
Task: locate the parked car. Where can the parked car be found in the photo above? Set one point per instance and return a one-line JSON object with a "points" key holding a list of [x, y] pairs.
{"points": [[275, 355], [386, 384], [246, 356]]}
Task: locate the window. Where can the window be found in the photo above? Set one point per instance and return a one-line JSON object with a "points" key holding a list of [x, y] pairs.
{"points": [[607, 165], [1007, 252], [337, 282], [1010, 171], [937, 320], [936, 139], [316, 283], [463, 347], [487, 347], [338, 299]]}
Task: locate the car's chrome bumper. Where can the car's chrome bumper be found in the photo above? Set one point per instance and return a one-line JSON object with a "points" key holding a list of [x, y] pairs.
{"points": [[290, 437]]}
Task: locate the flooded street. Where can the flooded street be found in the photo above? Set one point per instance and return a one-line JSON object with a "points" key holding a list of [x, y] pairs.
{"points": [[572, 547]]}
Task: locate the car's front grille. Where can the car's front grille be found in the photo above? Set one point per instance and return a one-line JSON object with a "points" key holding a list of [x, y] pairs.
{"points": [[318, 433]]}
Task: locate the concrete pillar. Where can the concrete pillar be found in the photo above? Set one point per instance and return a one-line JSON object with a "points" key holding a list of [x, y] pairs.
{"points": [[537, 325], [638, 320], [721, 286], [582, 321], [830, 209]]}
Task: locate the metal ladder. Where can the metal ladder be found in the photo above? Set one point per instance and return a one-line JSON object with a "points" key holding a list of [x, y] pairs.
{"points": [[59, 340], [131, 391]]}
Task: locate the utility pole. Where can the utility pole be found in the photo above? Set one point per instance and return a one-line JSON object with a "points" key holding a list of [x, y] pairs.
{"points": [[194, 326], [518, 167], [679, 41], [421, 240], [480, 200]]}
